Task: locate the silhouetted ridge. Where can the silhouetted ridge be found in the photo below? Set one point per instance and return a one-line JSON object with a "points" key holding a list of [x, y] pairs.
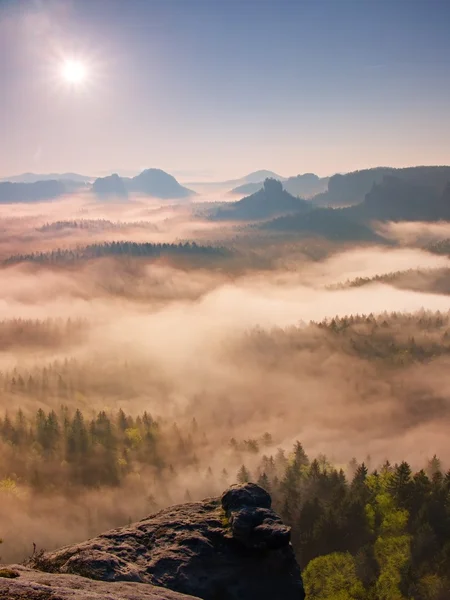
{"points": [[151, 182], [351, 188], [112, 185], [35, 177], [271, 200], [395, 199], [327, 222], [30, 192], [305, 186], [260, 176], [157, 183]]}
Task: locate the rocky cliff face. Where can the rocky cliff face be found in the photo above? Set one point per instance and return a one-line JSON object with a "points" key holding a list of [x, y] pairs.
{"points": [[229, 548]]}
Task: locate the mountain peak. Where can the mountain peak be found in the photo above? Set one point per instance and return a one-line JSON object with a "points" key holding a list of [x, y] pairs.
{"points": [[158, 183], [270, 201], [258, 176], [111, 185]]}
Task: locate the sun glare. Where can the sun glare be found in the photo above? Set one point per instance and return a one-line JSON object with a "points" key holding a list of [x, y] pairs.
{"points": [[73, 71]]}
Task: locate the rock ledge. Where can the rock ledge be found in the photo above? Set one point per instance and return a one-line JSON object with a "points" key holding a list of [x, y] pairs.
{"points": [[229, 548]]}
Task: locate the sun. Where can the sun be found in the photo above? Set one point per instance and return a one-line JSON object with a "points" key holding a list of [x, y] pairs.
{"points": [[74, 71]]}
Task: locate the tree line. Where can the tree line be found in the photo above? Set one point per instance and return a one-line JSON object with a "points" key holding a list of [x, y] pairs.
{"points": [[375, 534], [359, 532], [120, 249], [94, 224]]}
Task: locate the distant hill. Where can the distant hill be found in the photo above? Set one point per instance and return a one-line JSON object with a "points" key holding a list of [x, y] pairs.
{"points": [[30, 192], [327, 222], [305, 186], [254, 180], [112, 185], [395, 199], [271, 200], [351, 188], [151, 182], [247, 188], [260, 176], [34, 177], [157, 183]]}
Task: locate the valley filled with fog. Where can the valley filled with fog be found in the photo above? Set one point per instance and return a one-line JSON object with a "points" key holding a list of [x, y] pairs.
{"points": [[156, 350]]}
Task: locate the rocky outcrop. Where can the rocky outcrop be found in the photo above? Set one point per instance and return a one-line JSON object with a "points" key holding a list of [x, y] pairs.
{"points": [[112, 185], [271, 200], [229, 548], [29, 584], [253, 523]]}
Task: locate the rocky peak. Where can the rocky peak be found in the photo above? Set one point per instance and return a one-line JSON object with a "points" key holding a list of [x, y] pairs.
{"points": [[253, 523], [229, 548], [273, 186]]}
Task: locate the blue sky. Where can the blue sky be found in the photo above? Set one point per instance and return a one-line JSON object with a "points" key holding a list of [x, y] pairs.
{"points": [[217, 88]]}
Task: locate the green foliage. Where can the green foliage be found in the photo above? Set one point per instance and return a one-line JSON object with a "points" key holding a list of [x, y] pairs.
{"points": [[331, 577], [377, 535]]}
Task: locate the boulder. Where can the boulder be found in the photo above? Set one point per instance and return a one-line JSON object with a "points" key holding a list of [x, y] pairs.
{"points": [[245, 495], [229, 548]]}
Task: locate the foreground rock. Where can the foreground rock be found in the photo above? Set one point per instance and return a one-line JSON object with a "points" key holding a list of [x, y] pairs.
{"points": [[28, 584], [234, 548]]}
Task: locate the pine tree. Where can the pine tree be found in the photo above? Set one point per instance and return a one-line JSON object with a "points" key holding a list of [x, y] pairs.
{"points": [[360, 474], [300, 457], [243, 475], [264, 482]]}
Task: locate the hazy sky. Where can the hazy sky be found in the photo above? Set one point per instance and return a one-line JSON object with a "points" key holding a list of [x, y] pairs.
{"points": [[217, 88]]}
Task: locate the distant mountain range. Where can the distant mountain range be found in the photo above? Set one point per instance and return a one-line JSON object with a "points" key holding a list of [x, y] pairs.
{"points": [[30, 192], [360, 197], [351, 188], [281, 212], [396, 199], [306, 185], [35, 177], [421, 194], [256, 179], [151, 182]]}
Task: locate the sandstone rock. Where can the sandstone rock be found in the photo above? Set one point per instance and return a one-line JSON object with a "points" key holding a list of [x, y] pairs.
{"points": [[35, 585], [253, 522], [248, 494], [234, 548]]}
